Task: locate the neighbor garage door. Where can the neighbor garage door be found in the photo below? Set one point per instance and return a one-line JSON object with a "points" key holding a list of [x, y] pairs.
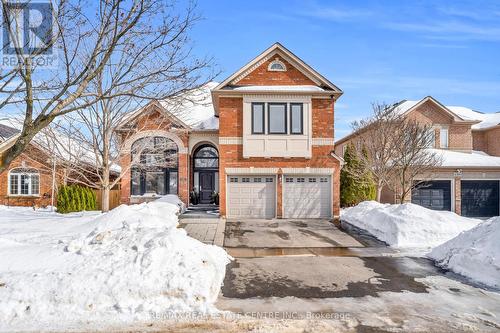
{"points": [[307, 197], [251, 196], [480, 198], [433, 195]]}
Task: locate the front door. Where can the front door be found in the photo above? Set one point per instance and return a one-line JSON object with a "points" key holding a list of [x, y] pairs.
{"points": [[207, 186]]}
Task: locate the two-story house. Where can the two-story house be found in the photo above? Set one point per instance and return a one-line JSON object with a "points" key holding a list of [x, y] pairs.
{"points": [[263, 139], [468, 143]]}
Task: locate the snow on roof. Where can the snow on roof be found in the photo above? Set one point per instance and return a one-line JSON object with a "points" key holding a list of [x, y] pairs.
{"points": [[486, 120], [194, 108], [296, 88], [456, 159], [65, 147]]}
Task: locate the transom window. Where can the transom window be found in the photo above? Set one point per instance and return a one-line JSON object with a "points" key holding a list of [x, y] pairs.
{"points": [[206, 157], [24, 181], [154, 166]]}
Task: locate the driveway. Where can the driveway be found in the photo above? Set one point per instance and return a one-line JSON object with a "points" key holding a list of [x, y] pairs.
{"points": [[348, 281], [285, 233]]}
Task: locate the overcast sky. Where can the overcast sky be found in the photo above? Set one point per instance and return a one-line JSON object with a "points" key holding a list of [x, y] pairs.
{"points": [[381, 51]]}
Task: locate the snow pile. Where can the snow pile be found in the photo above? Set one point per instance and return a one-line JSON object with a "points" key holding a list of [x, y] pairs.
{"points": [[407, 225], [121, 266], [474, 253]]}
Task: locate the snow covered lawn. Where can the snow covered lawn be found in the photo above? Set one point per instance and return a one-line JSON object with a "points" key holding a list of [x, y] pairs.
{"points": [[124, 266], [474, 253], [407, 225]]}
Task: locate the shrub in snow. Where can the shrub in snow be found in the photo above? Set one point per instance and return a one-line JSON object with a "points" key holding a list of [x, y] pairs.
{"points": [[474, 253], [356, 181], [75, 198], [121, 266], [407, 225]]}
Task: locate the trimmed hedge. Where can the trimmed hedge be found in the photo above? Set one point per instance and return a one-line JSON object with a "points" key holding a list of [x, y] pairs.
{"points": [[75, 198]]}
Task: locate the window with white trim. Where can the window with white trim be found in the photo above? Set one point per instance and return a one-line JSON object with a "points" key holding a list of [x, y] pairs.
{"points": [[443, 137], [24, 181]]}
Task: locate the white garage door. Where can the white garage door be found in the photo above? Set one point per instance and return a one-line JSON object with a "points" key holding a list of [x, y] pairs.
{"points": [[251, 196], [307, 196]]}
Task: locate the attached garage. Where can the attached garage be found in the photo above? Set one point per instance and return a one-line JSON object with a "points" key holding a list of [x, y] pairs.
{"points": [[434, 195], [480, 198], [307, 196], [251, 196]]}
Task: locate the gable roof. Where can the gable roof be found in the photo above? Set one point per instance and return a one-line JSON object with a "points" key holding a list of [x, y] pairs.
{"points": [[459, 114], [191, 110], [405, 107], [298, 63], [6, 132]]}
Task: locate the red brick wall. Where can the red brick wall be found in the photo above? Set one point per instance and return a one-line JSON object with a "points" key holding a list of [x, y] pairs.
{"points": [[493, 140], [231, 125], [261, 76], [32, 158], [155, 120], [479, 141]]}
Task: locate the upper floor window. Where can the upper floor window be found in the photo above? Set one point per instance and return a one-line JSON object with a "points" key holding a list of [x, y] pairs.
{"points": [[276, 66], [296, 116], [443, 137], [257, 118], [276, 115], [24, 181]]}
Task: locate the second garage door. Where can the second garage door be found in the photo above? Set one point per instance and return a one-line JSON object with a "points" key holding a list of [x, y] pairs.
{"points": [[480, 198], [251, 196], [307, 197]]}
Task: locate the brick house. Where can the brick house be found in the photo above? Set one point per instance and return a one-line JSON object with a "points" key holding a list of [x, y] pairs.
{"points": [[467, 182], [28, 180], [263, 139]]}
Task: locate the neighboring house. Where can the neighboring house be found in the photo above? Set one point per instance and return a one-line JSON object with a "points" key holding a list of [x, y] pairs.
{"points": [[467, 182], [29, 178], [263, 139], [33, 178]]}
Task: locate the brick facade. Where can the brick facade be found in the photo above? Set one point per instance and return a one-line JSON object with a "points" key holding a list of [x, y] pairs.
{"points": [[231, 155], [32, 158], [487, 141]]}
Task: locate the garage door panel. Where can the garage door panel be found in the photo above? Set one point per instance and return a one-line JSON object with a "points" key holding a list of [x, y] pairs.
{"points": [[307, 197], [434, 195], [251, 197], [480, 198]]}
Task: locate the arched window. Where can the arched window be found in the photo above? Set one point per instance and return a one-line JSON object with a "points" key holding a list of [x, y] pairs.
{"points": [[276, 66], [24, 181], [154, 166], [206, 157]]}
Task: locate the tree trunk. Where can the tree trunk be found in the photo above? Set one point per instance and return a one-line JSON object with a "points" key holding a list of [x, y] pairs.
{"points": [[105, 199], [379, 192]]}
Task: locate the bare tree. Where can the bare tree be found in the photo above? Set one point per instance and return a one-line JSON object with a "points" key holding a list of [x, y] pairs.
{"points": [[413, 158], [376, 143], [89, 38]]}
